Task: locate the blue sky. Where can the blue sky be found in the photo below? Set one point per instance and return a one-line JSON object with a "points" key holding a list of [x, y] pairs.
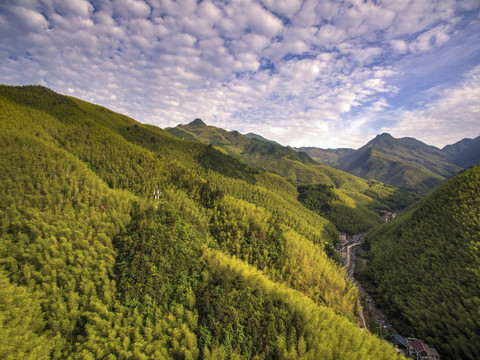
{"points": [[304, 73]]}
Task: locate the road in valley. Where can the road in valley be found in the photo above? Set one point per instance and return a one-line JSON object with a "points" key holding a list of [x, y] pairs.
{"points": [[376, 315]]}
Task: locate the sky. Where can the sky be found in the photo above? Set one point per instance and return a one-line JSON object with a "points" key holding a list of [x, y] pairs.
{"points": [[318, 73]]}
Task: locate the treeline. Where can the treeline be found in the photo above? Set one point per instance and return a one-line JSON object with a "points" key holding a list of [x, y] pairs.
{"points": [[425, 266], [220, 267]]}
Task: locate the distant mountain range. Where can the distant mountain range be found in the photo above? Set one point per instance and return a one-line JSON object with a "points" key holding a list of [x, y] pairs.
{"points": [[352, 203], [406, 163]]}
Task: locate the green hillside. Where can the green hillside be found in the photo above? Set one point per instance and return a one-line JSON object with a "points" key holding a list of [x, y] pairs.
{"points": [[464, 153], [356, 205], [405, 163], [426, 267], [328, 157], [223, 263], [253, 148], [259, 137]]}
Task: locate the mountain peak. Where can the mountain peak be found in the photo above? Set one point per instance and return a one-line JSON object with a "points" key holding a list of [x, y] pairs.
{"points": [[259, 137], [381, 140], [385, 136], [197, 122]]}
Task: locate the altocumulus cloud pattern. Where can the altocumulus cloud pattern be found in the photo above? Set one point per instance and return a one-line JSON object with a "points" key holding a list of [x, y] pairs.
{"points": [[301, 72]]}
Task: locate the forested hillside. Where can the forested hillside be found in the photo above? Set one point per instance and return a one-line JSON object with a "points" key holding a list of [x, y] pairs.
{"points": [[406, 163], [426, 268], [119, 240], [328, 157], [353, 203]]}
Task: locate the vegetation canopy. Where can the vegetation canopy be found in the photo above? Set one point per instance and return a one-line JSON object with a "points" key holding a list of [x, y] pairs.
{"points": [[120, 240]]}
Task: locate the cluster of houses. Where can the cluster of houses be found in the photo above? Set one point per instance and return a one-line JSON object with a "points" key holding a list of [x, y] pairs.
{"points": [[415, 348], [412, 347], [342, 246], [387, 216]]}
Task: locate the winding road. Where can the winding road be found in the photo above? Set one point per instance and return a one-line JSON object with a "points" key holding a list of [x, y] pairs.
{"points": [[350, 267]]}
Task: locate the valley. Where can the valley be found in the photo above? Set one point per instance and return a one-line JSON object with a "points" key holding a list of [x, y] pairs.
{"points": [[370, 316], [225, 262], [232, 257]]}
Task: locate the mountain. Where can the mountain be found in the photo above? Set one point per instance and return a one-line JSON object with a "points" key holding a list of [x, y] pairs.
{"points": [[353, 208], [454, 149], [120, 240], [426, 265], [234, 143], [406, 163], [465, 153], [259, 137], [328, 157]]}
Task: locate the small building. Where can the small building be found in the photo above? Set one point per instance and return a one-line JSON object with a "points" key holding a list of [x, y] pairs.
{"points": [[400, 341], [387, 216], [343, 238], [418, 350]]}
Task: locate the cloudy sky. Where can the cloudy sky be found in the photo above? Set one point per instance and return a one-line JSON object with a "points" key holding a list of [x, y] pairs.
{"points": [[304, 73]]}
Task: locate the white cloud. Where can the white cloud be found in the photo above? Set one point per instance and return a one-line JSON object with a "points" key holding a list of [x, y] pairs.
{"points": [[131, 8], [307, 15], [359, 54], [417, 16], [286, 8], [28, 19], [207, 10], [433, 37], [329, 35], [452, 115], [253, 43], [399, 46], [302, 68], [81, 8], [365, 18], [262, 21]]}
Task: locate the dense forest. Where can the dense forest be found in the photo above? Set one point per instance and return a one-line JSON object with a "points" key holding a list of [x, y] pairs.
{"points": [[119, 240], [353, 205], [426, 267]]}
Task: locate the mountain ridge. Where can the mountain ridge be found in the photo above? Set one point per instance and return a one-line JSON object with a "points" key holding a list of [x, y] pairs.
{"points": [[356, 197], [406, 162], [125, 243], [424, 265]]}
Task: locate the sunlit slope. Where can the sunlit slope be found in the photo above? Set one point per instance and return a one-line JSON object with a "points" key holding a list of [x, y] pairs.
{"points": [[326, 156], [357, 203], [406, 163], [426, 267], [355, 210], [110, 271]]}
